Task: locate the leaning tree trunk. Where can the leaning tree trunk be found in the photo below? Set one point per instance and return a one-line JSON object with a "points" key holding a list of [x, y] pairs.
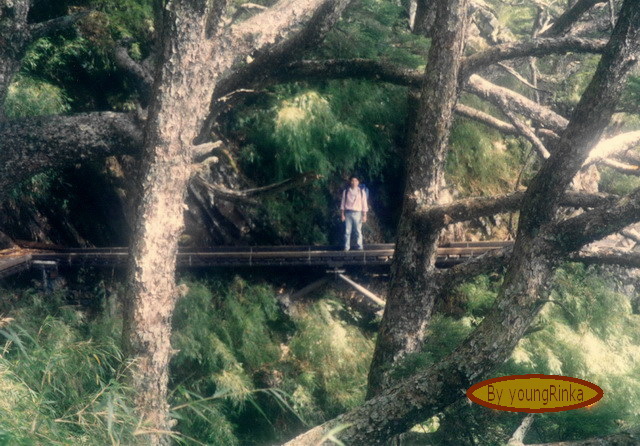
{"points": [[411, 298]]}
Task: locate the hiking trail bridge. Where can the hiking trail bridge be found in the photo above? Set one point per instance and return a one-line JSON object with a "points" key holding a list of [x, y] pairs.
{"points": [[31, 254]]}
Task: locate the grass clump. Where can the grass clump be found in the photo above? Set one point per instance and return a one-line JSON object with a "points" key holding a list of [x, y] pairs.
{"points": [[61, 385]]}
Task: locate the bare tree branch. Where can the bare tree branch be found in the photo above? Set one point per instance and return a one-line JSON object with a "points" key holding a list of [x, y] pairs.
{"points": [[425, 15], [618, 257], [628, 169], [576, 232], [487, 263], [31, 145], [518, 436], [589, 120], [386, 72], [248, 195], [528, 134], [564, 23], [537, 47], [509, 100], [631, 235], [614, 146], [470, 208], [54, 25], [519, 77], [141, 77]]}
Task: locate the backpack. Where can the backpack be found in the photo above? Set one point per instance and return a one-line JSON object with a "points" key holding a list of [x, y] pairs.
{"points": [[363, 189]]}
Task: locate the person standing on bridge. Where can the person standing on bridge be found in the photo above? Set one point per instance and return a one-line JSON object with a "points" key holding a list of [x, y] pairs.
{"points": [[354, 210]]}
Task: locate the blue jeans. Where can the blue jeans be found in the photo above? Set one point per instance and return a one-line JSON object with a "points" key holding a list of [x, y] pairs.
{"points": [[353, 221]]}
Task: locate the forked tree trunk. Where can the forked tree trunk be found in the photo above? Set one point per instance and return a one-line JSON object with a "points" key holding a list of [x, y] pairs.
{"points": [[197, 53]]}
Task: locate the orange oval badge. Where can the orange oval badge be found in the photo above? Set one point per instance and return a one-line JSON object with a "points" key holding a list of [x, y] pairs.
{"points": [[535, 393]]}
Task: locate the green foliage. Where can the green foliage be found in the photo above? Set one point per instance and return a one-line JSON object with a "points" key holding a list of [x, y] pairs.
{"points": [[126, 19], [303, 134], [573, 86], [614, 182], [516, 18], [375, 30], [481, 161], [255, 369], [78, 60], [59, 383], [241, 368], [333, 357], [631, 97], [32, 97], [591, 334], [335, 130], [299, 216], [57, 58], [224, 336]]}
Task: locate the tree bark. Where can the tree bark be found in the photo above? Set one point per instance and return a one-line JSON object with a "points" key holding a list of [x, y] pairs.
{"points": [[476, 207], [401, 331], [536, 251], [14, 36], [31, 145], [179, 102], [196, 55], [535, 47], [509, 100]]}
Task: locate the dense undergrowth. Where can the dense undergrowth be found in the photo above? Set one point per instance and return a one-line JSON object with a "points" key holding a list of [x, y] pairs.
{"points": [[587, 330], [245, 373]]}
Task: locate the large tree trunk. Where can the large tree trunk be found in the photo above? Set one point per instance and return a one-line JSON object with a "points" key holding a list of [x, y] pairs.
{"points": [[181, 98], [197, 54], [411, 295]]}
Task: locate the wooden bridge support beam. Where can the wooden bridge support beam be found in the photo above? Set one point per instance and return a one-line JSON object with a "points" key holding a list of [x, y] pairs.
{"points": [[49, 270], [362, 290]]}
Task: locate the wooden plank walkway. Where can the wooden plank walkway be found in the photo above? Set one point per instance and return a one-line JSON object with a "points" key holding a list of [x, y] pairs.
{"points": [[233, 256]]}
